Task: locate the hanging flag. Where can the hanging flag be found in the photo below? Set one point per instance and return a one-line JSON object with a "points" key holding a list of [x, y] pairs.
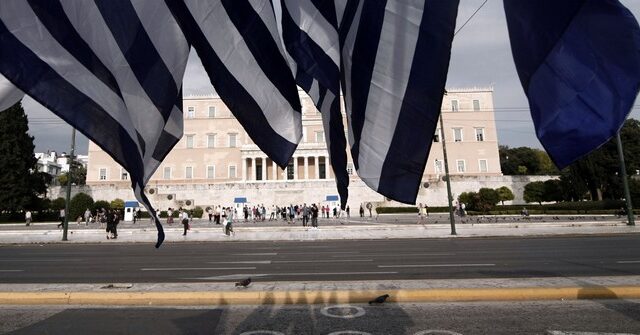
{"points": [[310, 34], [579, 65], [395, 58], [111, 69], [240, 48], [9, 94]]}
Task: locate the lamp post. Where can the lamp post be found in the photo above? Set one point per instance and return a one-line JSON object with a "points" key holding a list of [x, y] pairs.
{"points": [[625, 182], [65, 226], [446, 175]]}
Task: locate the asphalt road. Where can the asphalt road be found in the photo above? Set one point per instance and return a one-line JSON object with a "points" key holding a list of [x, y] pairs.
{"points": [[495, 318], [323, 260]]}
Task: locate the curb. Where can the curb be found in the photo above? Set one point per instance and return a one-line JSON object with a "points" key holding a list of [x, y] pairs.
{"points": [[195, 298]]}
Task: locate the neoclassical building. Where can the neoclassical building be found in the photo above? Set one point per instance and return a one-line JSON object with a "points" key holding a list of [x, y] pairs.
{"points": [[216, 161]]}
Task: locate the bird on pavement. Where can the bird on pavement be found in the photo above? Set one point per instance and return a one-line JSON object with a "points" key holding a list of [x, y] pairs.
{"points": [[379, 299], [244, 283]]}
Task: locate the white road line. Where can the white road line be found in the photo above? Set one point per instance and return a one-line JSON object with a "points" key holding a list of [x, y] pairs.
{"points": [[242, 262], [433, 265], [41, 260], [193, 269], [558, 332], [627, 262], [396, 255], [327, 261], [11, 270], [258, 254], [245, 275]]}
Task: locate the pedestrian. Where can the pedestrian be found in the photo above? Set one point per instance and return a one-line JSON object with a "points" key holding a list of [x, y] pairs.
{"points": [[27, 217], [420, 213], [61, 217], [361, 211], [135, 215], [305, 215], [335, 212], [348, 212], [79, 220], [216, 215], [314, 216], [116, 220], [184, 216], [210, 212], [87, 217], [110, 227], [229, 226], [272, 213], [169, 216]]}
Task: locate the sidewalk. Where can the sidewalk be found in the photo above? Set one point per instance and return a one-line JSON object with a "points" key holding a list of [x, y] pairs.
{"points": [[386, 227]]}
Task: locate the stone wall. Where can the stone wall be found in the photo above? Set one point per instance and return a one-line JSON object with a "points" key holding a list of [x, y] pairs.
{"points": [[292, 192]]}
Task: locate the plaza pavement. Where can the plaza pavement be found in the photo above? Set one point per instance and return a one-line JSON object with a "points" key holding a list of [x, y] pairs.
{"points": [[384, 227]]}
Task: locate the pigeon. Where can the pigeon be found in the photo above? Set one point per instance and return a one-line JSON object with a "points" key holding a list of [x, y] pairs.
{"points": [[379, 299], [244, 283]]}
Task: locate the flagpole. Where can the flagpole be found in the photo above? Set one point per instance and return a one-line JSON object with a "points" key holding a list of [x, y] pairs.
{"points": [[446, 176], [625, 182], [65, 227]]}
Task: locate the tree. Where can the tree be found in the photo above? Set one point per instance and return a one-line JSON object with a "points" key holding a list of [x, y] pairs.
{"points": [[20, 181], [78, 175], [79, 204], [553, 190], [487, 199], [100, 204], [58, 204], [534, 192], [505, 194], [524, 160], [117, 203]]}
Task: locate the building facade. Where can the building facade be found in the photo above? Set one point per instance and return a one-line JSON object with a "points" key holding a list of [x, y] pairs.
{"points": [[216, 151]]}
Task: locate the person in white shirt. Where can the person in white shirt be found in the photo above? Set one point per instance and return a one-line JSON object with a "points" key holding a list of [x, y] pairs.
{"points": [[184, 215], [27, 217]]}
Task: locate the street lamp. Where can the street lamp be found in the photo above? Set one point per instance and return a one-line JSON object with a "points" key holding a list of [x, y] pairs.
{"points": [[65, 226], [446, 173]]}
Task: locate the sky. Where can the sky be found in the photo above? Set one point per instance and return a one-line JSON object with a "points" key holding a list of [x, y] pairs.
{"points": [[480, 56]]}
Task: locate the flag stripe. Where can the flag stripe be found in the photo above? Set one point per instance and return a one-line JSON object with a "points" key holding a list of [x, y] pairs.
{"points": [[254, 34], [53, 18], [403, 169], [67, 101], [235, 95], [140, 53], [362, 63], [304, 16], [326, 8], [310, 56]]}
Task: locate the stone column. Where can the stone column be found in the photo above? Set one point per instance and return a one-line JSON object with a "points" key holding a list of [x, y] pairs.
{"points": [[295, 167], [327, 169], [253, 168], [244, 169], [306, 167], [317, 159], [264, 168], [274, 171]]}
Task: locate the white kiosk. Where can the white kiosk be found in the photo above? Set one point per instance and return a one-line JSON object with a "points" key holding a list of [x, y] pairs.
{"points": [[129, 208]]}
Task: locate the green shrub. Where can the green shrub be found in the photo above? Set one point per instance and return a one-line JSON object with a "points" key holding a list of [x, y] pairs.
{"points": [[78, 204], [100, 204], [117, 203], [57, 204], [197, 212]]}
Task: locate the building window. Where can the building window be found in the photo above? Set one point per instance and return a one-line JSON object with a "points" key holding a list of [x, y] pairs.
{"points": [[480, 134], [189, 139], [350, 169], [457, 134], [483, 165], [232, 171], [258, 170], [460, 165], [436, 136], [211, 141], [319, 136], [103, 174], [454, 106], [191, 112], [124, 175], [212, 112], [167, 173], [290, 173], [476, 105], [188, 172], [233, 140], [438, 166], [322, 169], [211, 172]]}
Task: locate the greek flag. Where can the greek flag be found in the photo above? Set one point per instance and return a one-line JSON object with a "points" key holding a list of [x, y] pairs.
{"points": [[111, 69], [579, 64]]}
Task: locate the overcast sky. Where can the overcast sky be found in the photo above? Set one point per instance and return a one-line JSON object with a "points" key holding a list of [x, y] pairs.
{"points": [[481, 56]]}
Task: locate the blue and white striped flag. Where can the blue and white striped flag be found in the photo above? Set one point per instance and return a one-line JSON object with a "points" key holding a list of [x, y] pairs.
{"points": [[111, 69]]}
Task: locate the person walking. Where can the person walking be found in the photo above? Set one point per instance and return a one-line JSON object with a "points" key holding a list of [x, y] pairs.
{"points": [[116, 220], [229, 226], [27, 217], [216, 215], [184, 216], [210, 212], [305, 215], [361, 211], [87, 217], [61, 217], [109, 219], [348, 212], [314, 216]]}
